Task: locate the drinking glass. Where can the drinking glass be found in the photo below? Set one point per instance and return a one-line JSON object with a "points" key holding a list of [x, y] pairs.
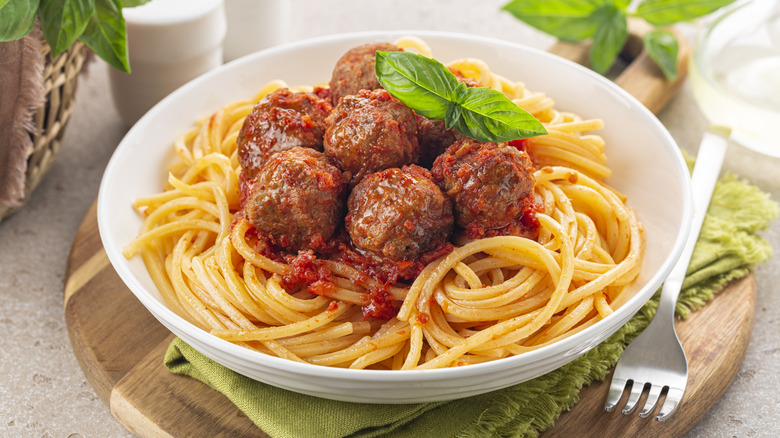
{"points": [[735, 73]]}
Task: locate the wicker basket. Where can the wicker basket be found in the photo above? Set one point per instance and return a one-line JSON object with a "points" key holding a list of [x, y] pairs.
{"points": [[60, 78]]}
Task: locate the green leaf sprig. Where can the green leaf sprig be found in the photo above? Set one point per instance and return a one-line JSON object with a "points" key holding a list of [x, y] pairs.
{"points": [[97, 23], [605, 22], [431, 90]]}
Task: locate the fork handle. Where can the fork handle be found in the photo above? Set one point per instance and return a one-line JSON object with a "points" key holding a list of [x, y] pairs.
{"points": [[709, 160]]}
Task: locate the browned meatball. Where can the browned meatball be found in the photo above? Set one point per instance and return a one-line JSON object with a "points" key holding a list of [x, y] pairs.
{"points": [[282, 120], [297, 199], [354, 71], [371, 131], [399, 213], [434, 138], [486, 181]]}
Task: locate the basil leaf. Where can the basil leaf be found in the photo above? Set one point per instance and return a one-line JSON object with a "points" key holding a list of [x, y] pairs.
{"points": [[666, 12], [422, 83], [2, 3], [488, 115], [609, 38], [17, 18], [662, 46], [621, 4], [105, 34], [63, 21], [569, 20], [431, 90]]}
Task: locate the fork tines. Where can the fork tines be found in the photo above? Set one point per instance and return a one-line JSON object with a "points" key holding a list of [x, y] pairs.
{"points": [[654, 392]]}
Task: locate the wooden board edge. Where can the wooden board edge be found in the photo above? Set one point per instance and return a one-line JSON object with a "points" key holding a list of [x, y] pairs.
{"points": [[147, 398], [85, 355], [80, 275], [126, 410], [133, 419], [693, 406]]}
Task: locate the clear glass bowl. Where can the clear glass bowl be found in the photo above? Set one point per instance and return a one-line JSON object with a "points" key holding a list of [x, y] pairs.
{"points": [[735, 73]]}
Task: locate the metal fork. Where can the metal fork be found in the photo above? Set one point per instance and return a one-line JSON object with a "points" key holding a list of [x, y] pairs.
{"points": [[655, 359]]}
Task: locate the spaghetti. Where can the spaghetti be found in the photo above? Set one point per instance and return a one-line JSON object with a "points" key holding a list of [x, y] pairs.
{"points": [[489, 298]]}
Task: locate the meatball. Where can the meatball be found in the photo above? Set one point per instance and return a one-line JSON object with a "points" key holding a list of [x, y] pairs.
{"points": [[487, 182], [399, 213], [371, 131], [282, 120], [434, 138], [297, 199], [354, 71]]}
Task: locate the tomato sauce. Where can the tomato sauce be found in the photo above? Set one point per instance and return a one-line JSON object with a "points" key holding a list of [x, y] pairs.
{"points": [[525, 225], [308, 269]]}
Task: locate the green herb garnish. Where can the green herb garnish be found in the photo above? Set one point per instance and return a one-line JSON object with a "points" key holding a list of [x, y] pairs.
{"points": [[662, 47], [97, 23], [431, 90], [605, 22]]}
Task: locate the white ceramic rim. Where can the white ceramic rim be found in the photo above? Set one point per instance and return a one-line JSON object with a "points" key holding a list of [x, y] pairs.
{"points": [[401, 377]]}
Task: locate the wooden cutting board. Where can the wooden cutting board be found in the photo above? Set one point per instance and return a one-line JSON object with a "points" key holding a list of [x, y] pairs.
{"points": [[120, 345]]}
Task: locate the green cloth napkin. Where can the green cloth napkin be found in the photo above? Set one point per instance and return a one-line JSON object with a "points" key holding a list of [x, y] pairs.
{"points": [[728, 248]]}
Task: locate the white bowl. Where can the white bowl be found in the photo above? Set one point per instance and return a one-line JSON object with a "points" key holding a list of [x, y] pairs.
{"points": [[647, 165]]}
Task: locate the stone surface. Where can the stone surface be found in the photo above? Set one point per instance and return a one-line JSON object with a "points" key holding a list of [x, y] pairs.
{"points": [[44, 392]]}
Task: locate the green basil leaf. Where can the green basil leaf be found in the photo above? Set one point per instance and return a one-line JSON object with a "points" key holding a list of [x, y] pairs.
{"points": [[609, 39], [666, 12], [488, 115], [621, 4], [431, 90], [422, 83], [2, 3], [569, 20], [133, 3], [453, 115], [105, 34], [63, 21], [17, 18], [662, 46]]}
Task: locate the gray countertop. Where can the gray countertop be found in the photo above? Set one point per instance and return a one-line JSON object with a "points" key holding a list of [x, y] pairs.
{"points": [[45, 393]]}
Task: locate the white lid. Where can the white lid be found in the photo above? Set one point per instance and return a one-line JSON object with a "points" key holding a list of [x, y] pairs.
{"points": [[164, 12], [169, 31]]}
